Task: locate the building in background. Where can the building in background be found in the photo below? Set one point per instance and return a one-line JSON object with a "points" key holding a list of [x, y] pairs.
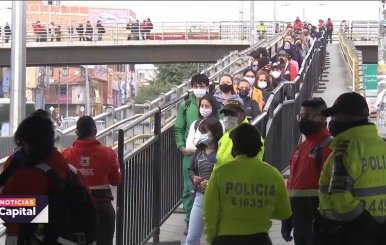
{"points": [[63, 89]]}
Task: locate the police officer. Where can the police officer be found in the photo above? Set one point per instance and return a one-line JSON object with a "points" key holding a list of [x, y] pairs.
{"points": [[243, 195], [261, 30], [234, 115], [352, 189]]}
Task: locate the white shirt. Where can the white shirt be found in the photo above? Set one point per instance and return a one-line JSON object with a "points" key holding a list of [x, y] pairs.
{"points": [[193, 137]]}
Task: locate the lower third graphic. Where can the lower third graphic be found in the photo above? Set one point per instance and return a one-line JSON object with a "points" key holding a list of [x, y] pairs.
{"points": [[24, 209]]}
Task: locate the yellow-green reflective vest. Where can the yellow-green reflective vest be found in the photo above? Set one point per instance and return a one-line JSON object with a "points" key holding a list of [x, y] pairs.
{"points": [[354, 176]]}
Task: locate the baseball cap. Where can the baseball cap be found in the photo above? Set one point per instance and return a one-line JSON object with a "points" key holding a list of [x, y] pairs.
{"points": [[234, 106], [352, 104]]}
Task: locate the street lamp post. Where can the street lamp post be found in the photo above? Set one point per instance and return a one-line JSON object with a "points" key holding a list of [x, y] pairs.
{"points": [[252, 22], [18, 66], [274, 16], [87, 92]]}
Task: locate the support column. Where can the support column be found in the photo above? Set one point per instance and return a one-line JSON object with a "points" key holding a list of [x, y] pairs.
{"points": [[274, 18], [18, 66], [252, 23], [88, 112]]}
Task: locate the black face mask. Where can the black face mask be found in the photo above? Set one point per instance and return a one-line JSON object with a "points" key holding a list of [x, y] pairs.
{"points": [[308, 127], [244, 94], [337, 127], [226, 88]]}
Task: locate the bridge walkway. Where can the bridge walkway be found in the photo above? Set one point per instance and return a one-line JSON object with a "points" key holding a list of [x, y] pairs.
{"points": [[334, 81]]}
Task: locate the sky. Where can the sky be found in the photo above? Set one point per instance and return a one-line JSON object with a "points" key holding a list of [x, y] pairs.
{"points": [[177, 11]]}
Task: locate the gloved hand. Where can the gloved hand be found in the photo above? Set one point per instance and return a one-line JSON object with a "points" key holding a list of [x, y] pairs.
{"points": [[286, 229]]}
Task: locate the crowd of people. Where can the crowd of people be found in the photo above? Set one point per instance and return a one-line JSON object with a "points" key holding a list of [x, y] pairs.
{"points": [[335, 192], [87, 32]]}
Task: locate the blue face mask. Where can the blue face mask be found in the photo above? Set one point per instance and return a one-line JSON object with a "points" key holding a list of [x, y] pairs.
{"points": [[254, 68], [204, 139]]}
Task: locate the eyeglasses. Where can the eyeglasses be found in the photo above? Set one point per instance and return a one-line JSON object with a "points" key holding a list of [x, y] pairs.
{"points": [[306, 116]]}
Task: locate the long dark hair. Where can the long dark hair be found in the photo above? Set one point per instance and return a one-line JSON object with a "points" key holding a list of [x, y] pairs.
{"points": [[213, 126], [231, 77], [213, 102]]}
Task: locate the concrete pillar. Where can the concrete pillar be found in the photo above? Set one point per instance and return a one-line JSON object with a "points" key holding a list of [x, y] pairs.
{"points": [[18, 66]]}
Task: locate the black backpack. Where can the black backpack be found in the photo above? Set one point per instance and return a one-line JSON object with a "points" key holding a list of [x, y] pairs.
{"points": [[72, 212]]}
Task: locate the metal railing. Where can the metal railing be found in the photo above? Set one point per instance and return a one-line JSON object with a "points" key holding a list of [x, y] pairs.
{"points": [[156, 165], [353, 58], [122, 33], [364, 30]]}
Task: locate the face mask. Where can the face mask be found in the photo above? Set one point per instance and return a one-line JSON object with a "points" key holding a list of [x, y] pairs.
{"points": [[336, 127], [205, 112], [204, 139], [308, 127], [251, 80], [276, 74], [226, 88], [199, 92], [262, 84], [230, 122], [254, 68], [244, 94], [287, 46]]}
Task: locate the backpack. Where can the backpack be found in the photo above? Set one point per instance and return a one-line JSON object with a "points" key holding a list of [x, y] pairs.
{"points": [[72, 212], [318, 150]]}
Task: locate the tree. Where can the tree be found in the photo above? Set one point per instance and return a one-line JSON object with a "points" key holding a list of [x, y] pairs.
{"points": [[167, 75], [175, 73]]}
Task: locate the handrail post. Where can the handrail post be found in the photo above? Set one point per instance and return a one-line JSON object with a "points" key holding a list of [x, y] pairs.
{"points": [[109, 121], [93, 33], [162, 32], [208, 30], [116, 33], [186, 30], [1, 32], [121, 190], [157, 177]]}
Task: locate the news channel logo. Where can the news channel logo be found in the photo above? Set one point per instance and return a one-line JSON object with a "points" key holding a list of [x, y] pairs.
{"points": [[24, 209]]}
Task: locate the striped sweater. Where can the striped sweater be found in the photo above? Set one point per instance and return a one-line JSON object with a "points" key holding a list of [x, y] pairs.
{"points": [[202, 165]]}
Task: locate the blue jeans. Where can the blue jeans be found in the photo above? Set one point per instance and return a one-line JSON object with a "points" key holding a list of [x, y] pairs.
{"points": [[196, 223]]}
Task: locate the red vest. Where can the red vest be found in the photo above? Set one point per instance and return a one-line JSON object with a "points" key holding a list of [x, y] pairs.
{"points": [[304, 170]]}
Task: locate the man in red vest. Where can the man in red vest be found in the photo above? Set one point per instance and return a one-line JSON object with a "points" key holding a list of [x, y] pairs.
{"points": [[306, 163]]}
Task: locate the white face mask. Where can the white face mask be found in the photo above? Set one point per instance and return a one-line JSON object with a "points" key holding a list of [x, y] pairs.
{"points": [[262, 84], [230, 122], [251, 80], [276, 74], [205, 112], [199, 92]]}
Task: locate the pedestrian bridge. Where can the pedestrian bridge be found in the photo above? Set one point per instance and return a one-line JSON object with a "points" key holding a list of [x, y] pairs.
{"points": [[191, 42], [144, 134]]}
